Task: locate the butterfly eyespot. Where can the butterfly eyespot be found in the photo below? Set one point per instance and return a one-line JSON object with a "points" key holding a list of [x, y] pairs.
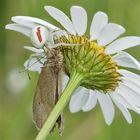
{"points": [[39, 36]]}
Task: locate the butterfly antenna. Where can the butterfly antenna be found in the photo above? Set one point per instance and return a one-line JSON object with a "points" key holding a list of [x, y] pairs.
{"points": [[29, 66]]}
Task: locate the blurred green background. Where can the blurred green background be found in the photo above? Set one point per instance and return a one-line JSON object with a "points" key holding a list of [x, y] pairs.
{"points": [[15, 104]]}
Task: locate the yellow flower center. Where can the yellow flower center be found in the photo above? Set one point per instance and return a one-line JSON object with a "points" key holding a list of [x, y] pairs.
{"points": [[87, 58]]}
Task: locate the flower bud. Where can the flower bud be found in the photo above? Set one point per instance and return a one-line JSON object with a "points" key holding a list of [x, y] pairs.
{"points": [[39, 36]]}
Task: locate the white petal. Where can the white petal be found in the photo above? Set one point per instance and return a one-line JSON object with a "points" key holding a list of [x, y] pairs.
{"points": [[131, 91], [32, 22], [78, 100], [130, 76], [99, 21], [33, 49], [131, 84], [19, 28], [122, 44], [123, 100], [126, 60], [130, 97], [91, 102], [122, 108], [61, 18], [23, 22], [110, 32], [33, 65], [107, 107], [79, 19], [126, 100]]}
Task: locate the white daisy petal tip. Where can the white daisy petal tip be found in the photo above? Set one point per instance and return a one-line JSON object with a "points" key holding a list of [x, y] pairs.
{"points": [[78, 99], [101, 13], [31, 22], [99, 21], [130, 122], [121, 106], [19, 28], [107, 107], [110, 32], [122, 44], [62, 18], [16, 18], [79, 19], [72, 110], [21, 20], [108, 122], [48, 6], [7, 26], [132, 98]]}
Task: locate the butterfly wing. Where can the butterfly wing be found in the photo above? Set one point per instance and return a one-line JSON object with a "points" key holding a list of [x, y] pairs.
{"points": [[45, 96]]}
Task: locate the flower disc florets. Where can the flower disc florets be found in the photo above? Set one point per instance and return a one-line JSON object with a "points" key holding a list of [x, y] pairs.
{"points": [[89, 59]]}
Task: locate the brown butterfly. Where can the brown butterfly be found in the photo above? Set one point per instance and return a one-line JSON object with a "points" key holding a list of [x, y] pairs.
{"points": [[49, 84], [49, 89]]}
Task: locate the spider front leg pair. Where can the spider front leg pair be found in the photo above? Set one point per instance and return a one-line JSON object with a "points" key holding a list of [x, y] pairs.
{"points": [[56, 36]]}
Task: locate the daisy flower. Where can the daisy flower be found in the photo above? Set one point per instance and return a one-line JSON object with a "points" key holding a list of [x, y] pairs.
{"points": [[106, 58], [96, 62]]}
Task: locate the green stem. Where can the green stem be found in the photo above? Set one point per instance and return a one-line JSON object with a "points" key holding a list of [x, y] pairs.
{"points": [[73, 83]]}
